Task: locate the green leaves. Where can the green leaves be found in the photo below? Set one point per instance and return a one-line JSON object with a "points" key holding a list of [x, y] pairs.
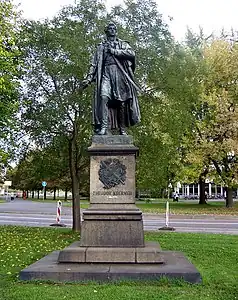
{"points": [[10, 71]]}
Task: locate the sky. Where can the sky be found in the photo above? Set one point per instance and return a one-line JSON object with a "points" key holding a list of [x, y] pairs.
{"points": [[211, 15]]}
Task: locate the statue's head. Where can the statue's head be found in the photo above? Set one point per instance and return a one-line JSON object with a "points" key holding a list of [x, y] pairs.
{"points": [[111, 29]]}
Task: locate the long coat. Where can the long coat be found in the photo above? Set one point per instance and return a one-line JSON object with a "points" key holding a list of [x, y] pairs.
{"points": [[124, 57]]}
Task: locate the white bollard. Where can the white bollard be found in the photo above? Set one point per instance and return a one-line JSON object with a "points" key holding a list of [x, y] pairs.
{"points": [[166, 227], [59, 207], [167, 214]]}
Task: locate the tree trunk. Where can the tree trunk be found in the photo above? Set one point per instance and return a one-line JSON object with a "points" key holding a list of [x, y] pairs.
{"points": [[66, 194], [32, 194], [229, 197], [202, 198], [38, 194], [203, 195], [54, 193], [27, 194], [75, 185]]}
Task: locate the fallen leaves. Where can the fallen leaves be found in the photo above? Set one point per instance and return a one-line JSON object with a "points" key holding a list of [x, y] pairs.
{"points": [[21, 246]]}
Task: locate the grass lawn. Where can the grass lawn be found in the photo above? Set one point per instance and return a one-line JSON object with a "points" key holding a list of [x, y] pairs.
{"points": [[215, 256], [215, 208], [182, 208]]}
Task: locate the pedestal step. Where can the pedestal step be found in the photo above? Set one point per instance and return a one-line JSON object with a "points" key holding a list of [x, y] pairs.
{"points": [[151, 253], [176, 266]]}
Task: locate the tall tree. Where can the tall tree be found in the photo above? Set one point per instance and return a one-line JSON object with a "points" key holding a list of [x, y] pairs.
{"points": [[214, 141], [167, 75], [50, 164], [221, 97], [57, 53], [10, 70]]}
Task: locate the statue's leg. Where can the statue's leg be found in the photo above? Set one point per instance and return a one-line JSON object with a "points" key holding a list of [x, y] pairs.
{"points": [[122, 123], [104, 121]]}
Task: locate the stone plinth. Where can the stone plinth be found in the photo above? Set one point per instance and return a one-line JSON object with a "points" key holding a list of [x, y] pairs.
{"points": [[150, 254], [112, 220], [112, 243], [112, 170], [111, 228], [175, 266]]}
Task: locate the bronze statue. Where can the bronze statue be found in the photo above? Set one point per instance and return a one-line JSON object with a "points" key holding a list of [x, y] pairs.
{"points": [[115, 104]]}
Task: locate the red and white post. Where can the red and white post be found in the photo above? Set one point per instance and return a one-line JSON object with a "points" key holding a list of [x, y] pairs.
{"points": [[59, 208]]}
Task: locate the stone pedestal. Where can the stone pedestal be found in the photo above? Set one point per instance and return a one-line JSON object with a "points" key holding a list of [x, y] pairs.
{"points": [[112, 220], [109, 228], [151, 253], [112, 241]]}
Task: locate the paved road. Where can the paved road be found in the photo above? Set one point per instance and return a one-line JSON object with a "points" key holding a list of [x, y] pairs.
{"points": [[30, 213]]}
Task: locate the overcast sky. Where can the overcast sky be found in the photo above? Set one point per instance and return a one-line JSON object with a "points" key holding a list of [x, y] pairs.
{"points": [[211, 15]]}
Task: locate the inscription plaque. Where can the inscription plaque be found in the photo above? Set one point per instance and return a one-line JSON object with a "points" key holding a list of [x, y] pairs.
{"points": [[112, 193]]}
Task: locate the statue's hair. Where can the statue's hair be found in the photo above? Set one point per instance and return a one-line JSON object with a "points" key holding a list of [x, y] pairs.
{"points": [[110, 23]]}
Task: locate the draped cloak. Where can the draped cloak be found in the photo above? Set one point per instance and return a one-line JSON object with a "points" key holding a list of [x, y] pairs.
{"points": [[124, 58]]}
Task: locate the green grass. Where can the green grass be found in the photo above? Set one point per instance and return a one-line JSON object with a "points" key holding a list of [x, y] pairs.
{"points": [[212, 208], [178, 208], [215, 256]]}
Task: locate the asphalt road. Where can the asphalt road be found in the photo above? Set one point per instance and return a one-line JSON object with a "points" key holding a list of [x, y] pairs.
{"points": [[28, 213]]}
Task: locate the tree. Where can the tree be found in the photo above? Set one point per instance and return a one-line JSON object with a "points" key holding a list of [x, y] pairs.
{"points": [[10, 71], [167, 74], [221, 97], [50, 164], [57, 53], [214, 141]]}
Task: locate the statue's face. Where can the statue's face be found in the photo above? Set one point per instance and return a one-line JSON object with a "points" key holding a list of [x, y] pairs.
{"points": [[111, 30]]}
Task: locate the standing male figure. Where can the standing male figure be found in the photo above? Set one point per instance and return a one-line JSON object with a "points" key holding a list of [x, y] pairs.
{"points": [[115, 104]]}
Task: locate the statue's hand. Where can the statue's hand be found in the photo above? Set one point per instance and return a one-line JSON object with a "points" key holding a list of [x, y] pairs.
{"points": [[111, 50], [108, 48]]}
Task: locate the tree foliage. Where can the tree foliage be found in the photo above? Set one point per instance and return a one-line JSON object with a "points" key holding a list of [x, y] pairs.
{"points": [[166, 74], [214, 138], [10, 70], [57, 54], [188, 95]]}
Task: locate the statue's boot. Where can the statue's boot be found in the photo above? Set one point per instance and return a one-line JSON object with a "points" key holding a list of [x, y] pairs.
{"points": [[122, 126], [123, 131], [103, 131]]}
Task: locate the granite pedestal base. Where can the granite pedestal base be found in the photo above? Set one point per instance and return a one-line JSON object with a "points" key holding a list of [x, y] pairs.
{"points": [[112, 219], [112, 228], [175, 266], [149, 254], [112, 243]]}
